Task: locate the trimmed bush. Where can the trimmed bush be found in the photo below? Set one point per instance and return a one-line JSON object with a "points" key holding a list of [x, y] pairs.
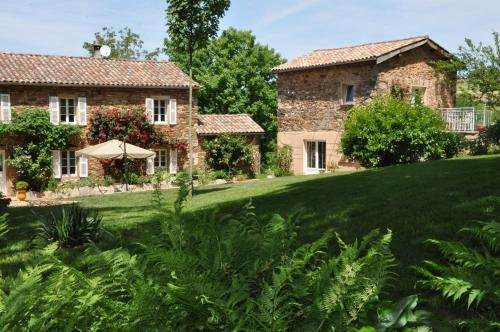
{"points": [[390, 131]]}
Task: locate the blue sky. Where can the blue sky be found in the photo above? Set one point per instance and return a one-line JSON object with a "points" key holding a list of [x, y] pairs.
{"points": [[292, 27]]}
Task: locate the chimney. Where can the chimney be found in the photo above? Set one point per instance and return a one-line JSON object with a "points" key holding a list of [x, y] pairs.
{"points": [[97, 47]]}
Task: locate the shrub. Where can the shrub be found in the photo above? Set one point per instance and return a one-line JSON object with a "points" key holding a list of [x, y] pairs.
{"points": [[284, 158], [69, 226], [471, 275], [88, 182], [493, 133], [230, 153], [108, 181], [453, 144], [133, 178], [391, 131], [22, 185], [52, 185], [4, 202], [480, 145]]}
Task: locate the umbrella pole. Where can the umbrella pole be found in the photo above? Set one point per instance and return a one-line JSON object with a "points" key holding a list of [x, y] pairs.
{"points": [[126, 163]]}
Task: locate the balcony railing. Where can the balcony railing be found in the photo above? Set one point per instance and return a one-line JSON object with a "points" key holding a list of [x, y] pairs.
{"points": [[465, 119]]}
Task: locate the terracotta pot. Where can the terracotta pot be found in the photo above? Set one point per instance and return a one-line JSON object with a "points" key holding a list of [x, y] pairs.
{"points": [[21, 195]]}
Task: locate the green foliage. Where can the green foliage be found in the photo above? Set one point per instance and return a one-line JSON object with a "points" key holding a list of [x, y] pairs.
{"points": [[471, 275], [235, 74], [221, 272], [478, 65], [493, 133], [229, 152], [284, 160], [32, 157], [124, 44], [108, 181], [182, 180], [22, 185], [69, 227], [133, 178], [52, 185], [191, 24], [453, 144], [390, 131]]}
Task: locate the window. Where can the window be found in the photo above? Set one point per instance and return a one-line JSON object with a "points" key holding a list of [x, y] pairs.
{"points": [[417, 95], [316, 155], [160, 110], [67, 110], [161, 159], [68, 163], [348, 94]]}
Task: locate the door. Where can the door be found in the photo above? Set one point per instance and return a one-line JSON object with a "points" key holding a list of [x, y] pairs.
{"points": [[315, 157], [3, 173]]}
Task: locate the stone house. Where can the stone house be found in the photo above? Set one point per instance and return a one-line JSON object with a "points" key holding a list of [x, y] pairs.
{"points": [[72, 89], [316, 91]]}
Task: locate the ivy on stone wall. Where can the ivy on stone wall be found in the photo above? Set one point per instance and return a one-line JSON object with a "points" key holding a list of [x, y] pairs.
{"points": [[30, 138]]}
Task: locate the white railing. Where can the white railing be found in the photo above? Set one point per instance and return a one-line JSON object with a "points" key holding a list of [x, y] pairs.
{"points": [[465, 119]]}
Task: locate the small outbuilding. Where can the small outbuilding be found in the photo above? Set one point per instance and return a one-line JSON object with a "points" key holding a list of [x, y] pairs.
{"points": [[211, 125]]}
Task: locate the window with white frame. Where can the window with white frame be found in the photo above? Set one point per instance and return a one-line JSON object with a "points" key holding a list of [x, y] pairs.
{"points": [[67, 110], [68, 163], [417, 95], [348, 94], [316, 155], [160, 111], [160, 159]]}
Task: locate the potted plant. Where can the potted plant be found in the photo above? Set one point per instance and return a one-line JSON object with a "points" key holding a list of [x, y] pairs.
{"points": [[21, 188]]}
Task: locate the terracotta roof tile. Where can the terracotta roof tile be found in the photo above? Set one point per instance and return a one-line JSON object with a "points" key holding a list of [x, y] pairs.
{"points": [[89, 71], [335, 56], [215, 124]]}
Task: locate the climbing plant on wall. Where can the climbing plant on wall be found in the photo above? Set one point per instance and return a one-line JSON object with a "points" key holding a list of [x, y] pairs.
{"points": [[35, 138]]}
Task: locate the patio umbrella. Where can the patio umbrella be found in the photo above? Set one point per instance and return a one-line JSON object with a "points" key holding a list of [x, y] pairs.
{"points": [[115, 149]]}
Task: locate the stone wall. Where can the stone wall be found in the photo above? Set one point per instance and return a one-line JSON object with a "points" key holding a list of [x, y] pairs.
{"points": [[101, 100], [413, 69]]}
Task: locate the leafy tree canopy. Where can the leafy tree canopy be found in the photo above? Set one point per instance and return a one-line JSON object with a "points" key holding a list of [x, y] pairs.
{"points": [[479, 66], [192, 23], [235, 73], [124, 44]]}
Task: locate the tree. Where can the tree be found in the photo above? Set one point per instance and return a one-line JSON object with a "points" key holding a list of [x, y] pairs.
{"points": [[235, 74], [191, 24], [124, 44], [479, 66]]}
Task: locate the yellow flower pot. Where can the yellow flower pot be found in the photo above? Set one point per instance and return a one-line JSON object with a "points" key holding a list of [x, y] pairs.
{"points": [[21, 195]]}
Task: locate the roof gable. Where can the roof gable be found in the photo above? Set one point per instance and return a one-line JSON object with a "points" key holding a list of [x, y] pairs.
{"points": [[90, 71], [377, 52]]}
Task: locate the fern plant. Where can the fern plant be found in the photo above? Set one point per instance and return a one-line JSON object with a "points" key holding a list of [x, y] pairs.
{"points": [[471, 276]]}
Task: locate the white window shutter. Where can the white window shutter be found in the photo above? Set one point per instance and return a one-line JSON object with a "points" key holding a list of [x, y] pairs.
{"points": [[150, 109], [173, 111], [54, 109], [82, 111], [173, 161], [56, 164], [84, 167], [5, 108], [150, 165]]}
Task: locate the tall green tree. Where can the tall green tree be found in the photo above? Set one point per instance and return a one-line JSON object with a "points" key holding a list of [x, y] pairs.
{"points": [[479, 66], [190, 26], [235, 73], [124, 44]]}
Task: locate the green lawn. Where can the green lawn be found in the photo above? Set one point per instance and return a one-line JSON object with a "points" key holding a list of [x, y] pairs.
{"points": [[418, 201]]}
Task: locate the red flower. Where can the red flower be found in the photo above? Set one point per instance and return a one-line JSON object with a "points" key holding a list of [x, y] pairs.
{"points": [[481, 129], [134, 116], [143, 116]]}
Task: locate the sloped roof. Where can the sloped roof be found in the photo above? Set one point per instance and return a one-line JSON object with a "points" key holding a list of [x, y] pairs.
{"points": [[378, 52], [216, 124], [90, 71]]}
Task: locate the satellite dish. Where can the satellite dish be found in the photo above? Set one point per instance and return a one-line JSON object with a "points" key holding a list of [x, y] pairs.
{"points": [[105, 51]]}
